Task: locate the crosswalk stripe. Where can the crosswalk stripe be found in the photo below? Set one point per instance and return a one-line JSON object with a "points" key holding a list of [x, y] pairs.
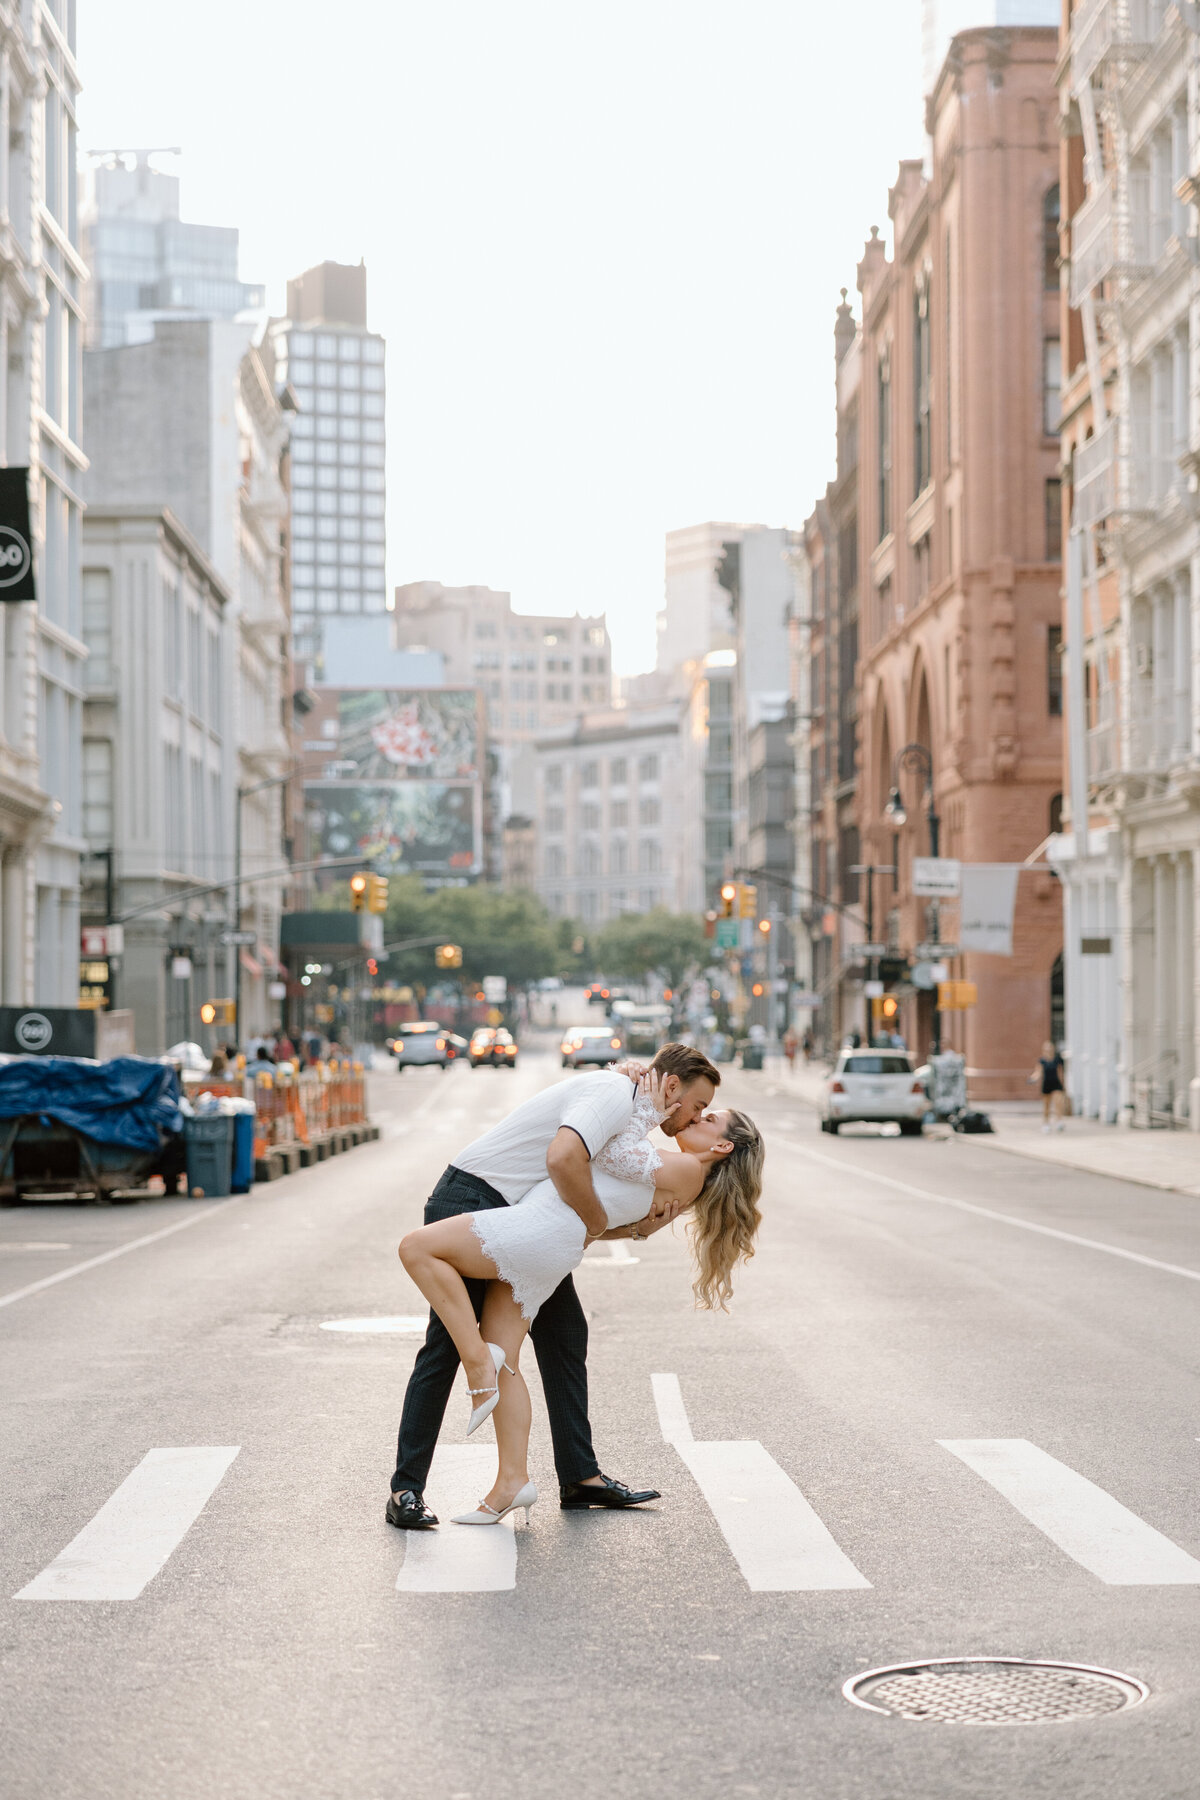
{"points": [[778, 1542], [459, 1559], [123, 1548], [1082, 1519]]}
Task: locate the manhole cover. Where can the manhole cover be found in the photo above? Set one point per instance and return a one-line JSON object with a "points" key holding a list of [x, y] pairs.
{"points": [[993, 1690]]}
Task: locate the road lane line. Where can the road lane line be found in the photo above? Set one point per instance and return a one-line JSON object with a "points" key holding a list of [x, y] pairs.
{"points": [[459, 1559], [123, 1548], [1082, 1519], [672, 1413], [94, 1262], [777, 1540], [986, 1212]]}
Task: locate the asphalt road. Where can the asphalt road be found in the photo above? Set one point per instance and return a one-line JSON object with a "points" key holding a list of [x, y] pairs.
{"points": [[279, 1641]]}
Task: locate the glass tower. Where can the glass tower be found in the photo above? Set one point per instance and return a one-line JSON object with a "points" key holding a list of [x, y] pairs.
{"points": [[335, 368]]}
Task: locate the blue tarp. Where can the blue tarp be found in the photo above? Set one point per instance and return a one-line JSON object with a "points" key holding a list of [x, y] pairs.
{"points": [[130, 1100]]}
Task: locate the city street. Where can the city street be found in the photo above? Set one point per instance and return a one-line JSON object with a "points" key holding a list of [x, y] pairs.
{"points": [[943, 1378]]}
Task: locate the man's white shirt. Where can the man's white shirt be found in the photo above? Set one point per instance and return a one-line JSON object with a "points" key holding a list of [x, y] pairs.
{"points": [[511, 1157]]}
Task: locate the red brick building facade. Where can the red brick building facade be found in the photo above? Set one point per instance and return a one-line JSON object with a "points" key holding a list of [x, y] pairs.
{"points": [[959, 536]]}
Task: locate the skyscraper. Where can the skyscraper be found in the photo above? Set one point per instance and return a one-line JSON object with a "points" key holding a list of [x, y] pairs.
{"points": [[146, 263], [335, 367]]}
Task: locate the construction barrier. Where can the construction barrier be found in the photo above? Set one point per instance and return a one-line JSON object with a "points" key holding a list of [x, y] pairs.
{"points": [[295, 1106]]}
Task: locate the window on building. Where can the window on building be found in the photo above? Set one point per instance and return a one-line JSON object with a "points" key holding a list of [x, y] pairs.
{"points": [[555, 818], [97, 792], [173, 806], [554, 778], [172, 644], [617, 772], [97, 628], [649, 856], [1051, 387], [589, 859], [1050, 248], [595, 634], [556, 862], [883, 471], [618, 814], [1054, 671], [849, 856], [922, 433], [648, 768], [1054, 819], [619, 857], [589, 775], [1054, 520], [649, 812], [589, 817]]}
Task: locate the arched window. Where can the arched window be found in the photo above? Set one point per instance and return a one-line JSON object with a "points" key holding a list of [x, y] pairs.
{"points": [[1056, 812], [1050, 252]]}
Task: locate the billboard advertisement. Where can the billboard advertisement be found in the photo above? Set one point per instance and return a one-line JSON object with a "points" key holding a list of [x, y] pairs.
{"points": [[399, 828], [399, 780], [410, 734]]}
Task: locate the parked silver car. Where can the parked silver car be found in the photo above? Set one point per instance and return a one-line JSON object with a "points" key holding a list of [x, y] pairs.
{"points": [[594, 1044]]}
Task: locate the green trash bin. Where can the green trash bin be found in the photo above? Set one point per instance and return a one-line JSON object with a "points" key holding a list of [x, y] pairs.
{"points": [[208, 1149], [752, 1056]]}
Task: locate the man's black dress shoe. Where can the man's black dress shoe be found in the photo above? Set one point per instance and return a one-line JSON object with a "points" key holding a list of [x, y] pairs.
{"points": [[409, 1512], [611, 1493]]}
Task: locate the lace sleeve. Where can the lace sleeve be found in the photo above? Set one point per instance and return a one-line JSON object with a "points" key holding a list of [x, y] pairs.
{"points": [[627, 1155]]}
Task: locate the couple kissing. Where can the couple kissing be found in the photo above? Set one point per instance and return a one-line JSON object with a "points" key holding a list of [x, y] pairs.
{"points": [[508, 1222]]}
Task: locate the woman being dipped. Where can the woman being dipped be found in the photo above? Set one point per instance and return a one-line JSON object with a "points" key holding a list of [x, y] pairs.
{"points": [[525, 1250]]}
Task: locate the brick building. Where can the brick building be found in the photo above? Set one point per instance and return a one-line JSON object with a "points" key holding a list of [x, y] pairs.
{"points": [[958, 545]]}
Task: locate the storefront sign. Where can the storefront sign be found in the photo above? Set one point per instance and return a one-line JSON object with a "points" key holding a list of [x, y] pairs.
{"points": [[16, 541]]}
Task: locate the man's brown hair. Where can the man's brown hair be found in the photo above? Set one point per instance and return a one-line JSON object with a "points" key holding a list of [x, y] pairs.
{"points": [[688, 1064]]}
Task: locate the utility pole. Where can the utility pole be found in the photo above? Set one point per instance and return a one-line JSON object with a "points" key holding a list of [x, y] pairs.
{"points": [[870, 870]]}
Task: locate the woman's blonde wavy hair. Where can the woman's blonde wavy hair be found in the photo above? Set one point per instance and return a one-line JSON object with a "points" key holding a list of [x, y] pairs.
{"points": [[725, 1216]]}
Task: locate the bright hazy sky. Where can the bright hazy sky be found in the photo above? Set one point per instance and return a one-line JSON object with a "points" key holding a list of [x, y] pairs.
{"points": [[604, 243]]}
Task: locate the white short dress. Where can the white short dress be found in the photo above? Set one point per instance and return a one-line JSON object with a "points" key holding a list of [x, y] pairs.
{"points": [[539, 1239]]}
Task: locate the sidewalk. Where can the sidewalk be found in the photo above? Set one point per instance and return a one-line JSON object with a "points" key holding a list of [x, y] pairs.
{"points": [[1158, 1159]]}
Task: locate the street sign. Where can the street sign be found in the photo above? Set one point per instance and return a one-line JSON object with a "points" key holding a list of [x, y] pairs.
{"points": [[181, 968], [936, 952], [495, 989], [936, 877], [729, 934], [232, 938], [808, 1000], [872, 949], [873, 990], [102, 940]]}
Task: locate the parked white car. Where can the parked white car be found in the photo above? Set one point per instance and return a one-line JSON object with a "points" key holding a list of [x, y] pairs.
{"points": [[877, 1086], [595, 1044]]}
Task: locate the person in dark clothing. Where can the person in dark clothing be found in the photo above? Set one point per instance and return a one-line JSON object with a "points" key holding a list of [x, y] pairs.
{"points": [[1049, 1073]]}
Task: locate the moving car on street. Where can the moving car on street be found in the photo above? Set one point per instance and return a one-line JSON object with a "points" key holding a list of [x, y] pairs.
{"points": [[595, 1044], [423, 1042], [495, 1047], [876, 1086]]}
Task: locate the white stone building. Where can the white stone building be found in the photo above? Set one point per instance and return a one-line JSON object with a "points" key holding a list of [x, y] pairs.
{"points": [[191, 422], [610, 827], [42, 280], [156, 762], [696, 614], [1131, 449]]}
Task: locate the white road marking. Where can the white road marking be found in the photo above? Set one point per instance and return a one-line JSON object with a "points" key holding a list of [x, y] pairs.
{"points": [[672, 1413], [616, 1253], [135, 1531], [35, 1246], [459, 1559], [404, 1324], [1084, 1521], [778, 1542], [986, 1212], [94, 1262]]}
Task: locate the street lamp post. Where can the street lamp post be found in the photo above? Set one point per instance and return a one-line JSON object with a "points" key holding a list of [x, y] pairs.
{"points": [[870, 870], [916, 756], [244, 793]]}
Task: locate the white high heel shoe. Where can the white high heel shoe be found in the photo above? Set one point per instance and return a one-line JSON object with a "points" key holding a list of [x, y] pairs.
{"points": [[488, 1515], [487, 1407]]}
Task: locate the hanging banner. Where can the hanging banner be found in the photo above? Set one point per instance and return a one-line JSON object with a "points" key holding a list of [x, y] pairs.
{"points": [[989, 892], [16, 540]]}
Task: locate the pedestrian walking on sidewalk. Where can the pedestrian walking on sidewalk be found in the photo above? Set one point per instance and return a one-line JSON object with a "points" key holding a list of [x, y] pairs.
{"points": [[1049, 1072], [789, 1049]]}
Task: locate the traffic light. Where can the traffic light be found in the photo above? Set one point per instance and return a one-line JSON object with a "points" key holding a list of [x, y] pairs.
{"points": [[377, 893], [448, 956], [359, 884], [729, 894], [218, 1012], [748, 901], [764, 925]]}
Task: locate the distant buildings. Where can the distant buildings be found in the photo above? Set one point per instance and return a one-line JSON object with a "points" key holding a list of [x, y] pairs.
{"points": [[609, 818], [697, 615], [42, 282], [334, 365], [146, 263], [191, 422]]}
